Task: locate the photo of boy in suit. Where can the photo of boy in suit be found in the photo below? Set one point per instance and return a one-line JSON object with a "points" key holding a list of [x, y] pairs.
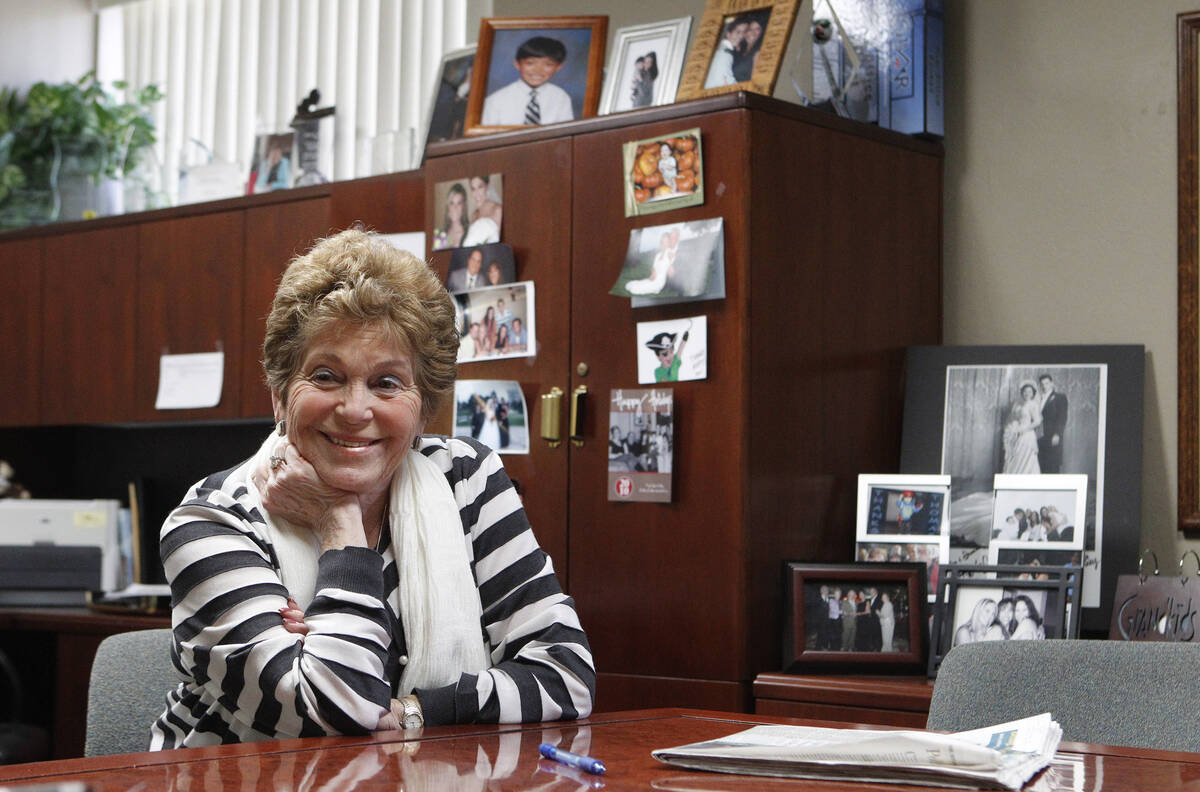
{"points": [[531, 99]]}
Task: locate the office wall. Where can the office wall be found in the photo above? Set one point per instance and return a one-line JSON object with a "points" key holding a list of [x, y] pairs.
{"points": [[47, 40], [1060, 189]]}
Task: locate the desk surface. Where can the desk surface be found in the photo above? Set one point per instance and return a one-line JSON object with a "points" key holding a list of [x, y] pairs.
{"points": [[506, 757]]}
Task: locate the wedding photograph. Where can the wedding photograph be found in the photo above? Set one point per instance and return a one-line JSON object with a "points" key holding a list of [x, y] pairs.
{"points": [[468, 211], [671, 261], [494, 413]]}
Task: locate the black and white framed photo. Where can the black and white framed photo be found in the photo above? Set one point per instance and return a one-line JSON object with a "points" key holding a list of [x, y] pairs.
{"points": [[1003, 603], [854, 615], [975, 412], [446, 116], [644, 69], [1039, 511]]}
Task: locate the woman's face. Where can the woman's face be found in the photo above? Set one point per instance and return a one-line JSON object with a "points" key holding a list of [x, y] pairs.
{"points": [[494, 274], [489, 315], [664, 151], [753, 31], [454, 207], [353, 408], [478, 190], [1005, 612], [1020, 610], [987, 612], [1027, 392], [503, 332]]}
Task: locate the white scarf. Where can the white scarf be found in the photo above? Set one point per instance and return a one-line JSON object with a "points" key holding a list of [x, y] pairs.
{"points": [[439, 603]]}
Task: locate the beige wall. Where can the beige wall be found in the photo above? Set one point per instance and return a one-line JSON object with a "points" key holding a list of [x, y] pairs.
{"points": [[1060, 188], [47, 40]]}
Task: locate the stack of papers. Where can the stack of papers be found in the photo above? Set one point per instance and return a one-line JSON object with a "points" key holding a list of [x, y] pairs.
{"points": [[997, 757]]}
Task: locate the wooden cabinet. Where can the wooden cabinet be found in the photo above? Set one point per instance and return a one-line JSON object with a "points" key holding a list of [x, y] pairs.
{"points": [[898, 700], [89, 327], [22, 273], [832, 267]]}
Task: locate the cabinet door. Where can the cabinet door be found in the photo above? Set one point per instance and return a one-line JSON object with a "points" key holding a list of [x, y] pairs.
{"points": [[660, 586], [89, 327], [274, 234], [536, 222], [389, 204], [190, 300], [20, 328]]}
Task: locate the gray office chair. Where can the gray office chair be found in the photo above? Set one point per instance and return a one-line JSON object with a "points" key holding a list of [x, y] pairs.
{"points": [[1110, 692], [131, 675]]}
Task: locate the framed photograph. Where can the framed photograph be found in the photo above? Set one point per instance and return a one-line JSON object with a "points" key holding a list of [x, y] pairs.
{"points": [[854, 615], [472, 209], [676, 262], [271, 166], [899, 506], [485, 265], [496, 322], [446, 116], [1003, 603], [644, 70], [975, 412], [1039, 511], [665, 172], [1188, 152], [532, 71], [492, 412], [738, 47]]}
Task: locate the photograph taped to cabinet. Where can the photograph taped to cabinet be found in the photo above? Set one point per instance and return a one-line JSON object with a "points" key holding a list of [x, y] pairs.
{"points": [[673, 350], [486, 265], [467, 211], [675, 262], [496, 322], [664, 172], [494, 413], [641, 444]]}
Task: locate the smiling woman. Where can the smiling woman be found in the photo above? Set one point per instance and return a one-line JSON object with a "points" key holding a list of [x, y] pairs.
{"points": [[331, 583]]}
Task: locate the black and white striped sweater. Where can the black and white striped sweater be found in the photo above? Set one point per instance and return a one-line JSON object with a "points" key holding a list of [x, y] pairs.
{"points": [[246, 678]]}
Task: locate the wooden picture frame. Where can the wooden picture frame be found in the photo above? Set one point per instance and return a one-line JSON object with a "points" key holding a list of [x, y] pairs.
{"points": [[666, 41], [703, 76], [441, 120], [1059, 615], [1188, 148], [937, 384], [812, 639], [578, 76]]}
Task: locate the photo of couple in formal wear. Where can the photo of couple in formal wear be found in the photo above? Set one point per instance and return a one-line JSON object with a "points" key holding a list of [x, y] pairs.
{"points": [[1021, 419], [469, 211], [675, 260], [486, 265], [495, 322], [737, 48], [492, 412], [853, 617], [1002, 614]]}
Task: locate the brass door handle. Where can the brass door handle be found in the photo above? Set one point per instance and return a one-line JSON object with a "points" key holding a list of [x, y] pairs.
{"points": [[577, 415], [552, 417]]}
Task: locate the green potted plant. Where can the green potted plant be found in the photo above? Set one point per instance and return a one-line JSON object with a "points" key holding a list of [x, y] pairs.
{"points": [[71, 138]]}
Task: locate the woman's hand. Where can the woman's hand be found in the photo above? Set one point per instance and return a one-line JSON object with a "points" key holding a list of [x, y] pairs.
{"points": [[293, 618], [291, 489], [390, 720]]}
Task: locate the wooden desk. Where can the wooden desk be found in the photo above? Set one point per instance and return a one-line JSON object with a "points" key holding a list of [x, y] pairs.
{"points": [[897, 700], [506, 757], [53, 649]]}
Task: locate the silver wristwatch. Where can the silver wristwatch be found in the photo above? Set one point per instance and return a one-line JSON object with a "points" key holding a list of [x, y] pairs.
{"points": [[412, 718]]}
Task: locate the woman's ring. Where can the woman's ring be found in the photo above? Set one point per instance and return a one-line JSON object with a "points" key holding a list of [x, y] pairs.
{"points": [[277, 462]]}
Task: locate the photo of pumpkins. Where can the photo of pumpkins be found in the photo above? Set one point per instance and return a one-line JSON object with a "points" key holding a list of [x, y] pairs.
{"points": [[665, 168]]}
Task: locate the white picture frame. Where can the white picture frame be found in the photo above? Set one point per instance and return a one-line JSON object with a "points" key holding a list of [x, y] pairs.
{"points": [[878, 495], [630, 43]]}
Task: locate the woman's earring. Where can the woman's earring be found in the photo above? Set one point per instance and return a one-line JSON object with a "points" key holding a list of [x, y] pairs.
{"points": [[281, 428], [416, 442]]}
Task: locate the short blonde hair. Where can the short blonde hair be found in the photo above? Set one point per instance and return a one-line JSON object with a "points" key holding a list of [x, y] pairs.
{"points": [[358, 278]]}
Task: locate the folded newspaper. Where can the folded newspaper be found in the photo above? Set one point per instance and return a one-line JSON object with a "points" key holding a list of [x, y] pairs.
{"points": [[997, 757]]}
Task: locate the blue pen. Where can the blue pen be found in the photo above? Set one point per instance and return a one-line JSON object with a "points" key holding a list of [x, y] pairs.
{"points": [[594, 766]]}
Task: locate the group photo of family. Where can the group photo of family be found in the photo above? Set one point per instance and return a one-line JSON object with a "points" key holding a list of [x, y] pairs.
{"points": [[1033, 523], [856, 618], [495, 322], [640, 443], [486, 265], [492, 412], [737, 48], [1000, 614], [471, 210]]}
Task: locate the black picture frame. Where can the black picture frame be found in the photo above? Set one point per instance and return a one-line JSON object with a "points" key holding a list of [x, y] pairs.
{"points": [[922, 441], [803, 647], [1060, 619]]}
